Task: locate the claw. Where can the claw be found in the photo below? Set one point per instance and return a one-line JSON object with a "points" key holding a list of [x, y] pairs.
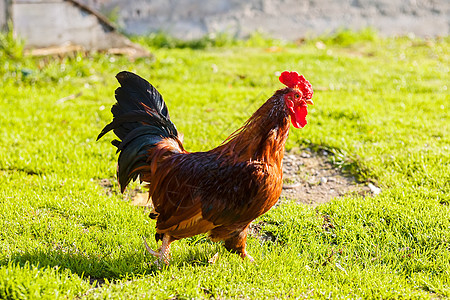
{"points": [[149, 250], [163, 254], [251, 259], [245, 255]]}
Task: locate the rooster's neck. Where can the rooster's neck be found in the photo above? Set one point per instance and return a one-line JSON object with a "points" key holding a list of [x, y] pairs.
{"points": [[263, 136]]}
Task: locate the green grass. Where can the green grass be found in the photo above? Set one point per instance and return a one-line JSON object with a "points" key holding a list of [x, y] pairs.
{"points": [[382, 107]]}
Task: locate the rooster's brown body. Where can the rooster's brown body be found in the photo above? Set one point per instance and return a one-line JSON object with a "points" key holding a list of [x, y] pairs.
{"points": [[219, 192]]}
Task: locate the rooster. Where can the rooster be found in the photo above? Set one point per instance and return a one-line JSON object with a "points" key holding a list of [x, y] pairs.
{"points": [[219, 192]]}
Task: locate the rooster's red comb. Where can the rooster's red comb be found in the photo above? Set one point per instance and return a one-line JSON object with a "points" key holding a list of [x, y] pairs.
{"points": [[293, 80]]}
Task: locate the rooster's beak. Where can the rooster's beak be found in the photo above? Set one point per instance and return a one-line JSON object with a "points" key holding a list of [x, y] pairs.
{"points": [[309, 101]]}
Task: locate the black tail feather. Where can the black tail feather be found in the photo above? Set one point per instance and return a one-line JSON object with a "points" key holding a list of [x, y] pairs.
{"points": [[136, 90], [140, 120], [125, 123]]}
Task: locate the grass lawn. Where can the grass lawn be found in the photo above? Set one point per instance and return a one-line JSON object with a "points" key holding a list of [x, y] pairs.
{"points": [[382, 107]]}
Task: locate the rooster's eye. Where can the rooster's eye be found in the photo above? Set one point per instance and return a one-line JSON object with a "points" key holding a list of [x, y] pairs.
{"points": [[297, 96]]}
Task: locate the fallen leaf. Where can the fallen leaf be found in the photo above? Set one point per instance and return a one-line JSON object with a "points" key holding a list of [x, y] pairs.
{"points": [[213, 259]]}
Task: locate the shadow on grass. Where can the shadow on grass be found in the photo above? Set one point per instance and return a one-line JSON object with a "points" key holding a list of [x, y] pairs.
{"points": [[97, 268]]}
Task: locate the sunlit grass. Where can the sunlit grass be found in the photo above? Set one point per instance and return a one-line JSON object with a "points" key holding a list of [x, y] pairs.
{"points": [[382, 107]]}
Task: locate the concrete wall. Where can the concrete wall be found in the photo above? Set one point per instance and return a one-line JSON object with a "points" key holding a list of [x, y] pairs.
{"points": [[46, 23], [5, 14], [289, 19]]}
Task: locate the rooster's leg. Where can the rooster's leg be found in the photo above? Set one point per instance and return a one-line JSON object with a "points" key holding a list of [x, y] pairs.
{"points": [[238, 243], [163, 255]]}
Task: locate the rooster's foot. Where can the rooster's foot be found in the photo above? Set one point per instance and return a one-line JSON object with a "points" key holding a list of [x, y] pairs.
{"points": [[163, 254], [245, 255]]}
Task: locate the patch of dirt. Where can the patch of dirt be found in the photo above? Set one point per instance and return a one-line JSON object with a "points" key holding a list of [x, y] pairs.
{"points": [[107, 185], [255, 230], [310, 178], [136, 194]]}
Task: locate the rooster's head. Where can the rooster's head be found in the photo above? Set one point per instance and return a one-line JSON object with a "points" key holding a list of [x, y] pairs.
{"points": [[297, 96]]}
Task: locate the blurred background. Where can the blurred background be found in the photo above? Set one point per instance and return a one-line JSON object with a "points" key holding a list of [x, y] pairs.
{"points": [[96, 24]]}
